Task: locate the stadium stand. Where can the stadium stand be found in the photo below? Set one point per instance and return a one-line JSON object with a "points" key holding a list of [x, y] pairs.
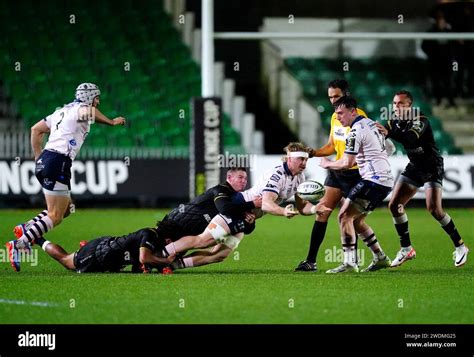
{"points": [[146, 74], [373, 82]]}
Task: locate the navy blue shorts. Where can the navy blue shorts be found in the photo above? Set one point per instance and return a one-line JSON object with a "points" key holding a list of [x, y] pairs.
{"points": [[53, 171], [367, 195], [343, 180]]}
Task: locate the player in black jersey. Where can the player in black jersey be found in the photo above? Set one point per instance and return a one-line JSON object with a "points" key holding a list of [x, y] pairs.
{"points": [[141, 249], [214, 218], [413, 130]]}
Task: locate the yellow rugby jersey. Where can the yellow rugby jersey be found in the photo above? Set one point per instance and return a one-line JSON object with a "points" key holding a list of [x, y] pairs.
{"points": [[339, 134]]}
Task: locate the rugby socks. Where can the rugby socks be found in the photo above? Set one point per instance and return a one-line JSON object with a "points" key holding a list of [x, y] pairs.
{"points": [[39, 228], [350, 253], [317, 237], [401, 225], [169, 250], [40, 241], [371, 241], [448, 225], [36, 219]]}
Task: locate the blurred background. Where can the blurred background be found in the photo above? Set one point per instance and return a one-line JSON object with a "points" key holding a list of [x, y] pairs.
{"points": [[146, 57]]}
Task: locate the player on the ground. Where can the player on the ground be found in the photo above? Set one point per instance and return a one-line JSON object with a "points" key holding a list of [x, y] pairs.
{"points": [[338, 182], [67, 128], [215, 212], [273, 188], [366, 147], [412, 129], [140, 249]]}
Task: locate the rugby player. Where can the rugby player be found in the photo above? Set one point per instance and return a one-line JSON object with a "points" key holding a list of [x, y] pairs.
{"points": [[217, 213], [67, 128], [273, 188], [140, 249], [412, 129], [366, 147], [338, 182]]}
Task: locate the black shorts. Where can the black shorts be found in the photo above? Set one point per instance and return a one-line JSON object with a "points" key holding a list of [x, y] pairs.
{"points": [[416, 176], [343, 180], [93, 257], [53, 171], [238, 225], [367, 195]]}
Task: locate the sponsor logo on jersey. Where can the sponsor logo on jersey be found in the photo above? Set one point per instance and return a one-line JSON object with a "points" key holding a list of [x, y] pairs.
{"points": [[72, 142]]}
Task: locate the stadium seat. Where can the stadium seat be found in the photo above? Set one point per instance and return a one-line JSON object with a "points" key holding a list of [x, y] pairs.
{"points": [[161, 79]]}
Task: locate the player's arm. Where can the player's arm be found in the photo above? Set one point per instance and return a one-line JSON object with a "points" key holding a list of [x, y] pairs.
{"points": [[270, 206], [147, 257], [94, 114], [304, 207], [226, 206], [37, 133], [345, 162], [325, 150]]}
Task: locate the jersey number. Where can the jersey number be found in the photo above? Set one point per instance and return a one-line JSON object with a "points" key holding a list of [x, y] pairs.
{"points": [[59, 122]]}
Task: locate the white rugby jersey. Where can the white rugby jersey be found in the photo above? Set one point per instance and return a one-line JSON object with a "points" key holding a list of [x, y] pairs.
{"points": [[67, 131], [365, 141], [279, 180]]}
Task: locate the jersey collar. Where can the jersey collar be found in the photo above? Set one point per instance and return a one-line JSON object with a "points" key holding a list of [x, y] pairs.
{"points": [[287, 170], [359, 117]]}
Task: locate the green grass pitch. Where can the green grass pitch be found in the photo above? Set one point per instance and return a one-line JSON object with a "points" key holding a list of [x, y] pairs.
{"points": [[255, 285]]}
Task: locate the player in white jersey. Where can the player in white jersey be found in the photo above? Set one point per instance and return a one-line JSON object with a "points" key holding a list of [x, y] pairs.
{"points": [[275, 187], [366, 147], [68, 128]]}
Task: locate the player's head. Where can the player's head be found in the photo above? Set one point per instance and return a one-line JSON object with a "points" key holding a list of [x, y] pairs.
{"points": [[88, 93], [337, 88], [296, 157], [346, 110], [402, 102], [237, 178]]}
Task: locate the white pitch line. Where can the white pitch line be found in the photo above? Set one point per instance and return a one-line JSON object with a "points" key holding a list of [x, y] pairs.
{"points": [[33, 303]]}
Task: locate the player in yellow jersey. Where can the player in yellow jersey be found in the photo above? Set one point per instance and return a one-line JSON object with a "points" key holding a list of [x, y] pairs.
{"points": [[338, 183]]}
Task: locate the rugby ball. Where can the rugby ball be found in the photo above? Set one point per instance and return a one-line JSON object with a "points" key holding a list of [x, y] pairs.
{"points": [[311, 191]]}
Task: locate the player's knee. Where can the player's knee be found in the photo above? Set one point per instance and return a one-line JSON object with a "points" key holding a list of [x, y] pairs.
{"points": [[343, 217], [395, 207], [203, 241], [435, 211], [324, 217]]}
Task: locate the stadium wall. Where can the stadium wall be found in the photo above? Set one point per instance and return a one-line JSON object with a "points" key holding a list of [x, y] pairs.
{"points": [[164, 183]]}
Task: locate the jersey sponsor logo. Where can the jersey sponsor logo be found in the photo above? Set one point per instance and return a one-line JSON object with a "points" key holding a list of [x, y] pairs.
{"points": [[72, 142], [275, 177], [339, 133], [270, 185], [207, 217]]}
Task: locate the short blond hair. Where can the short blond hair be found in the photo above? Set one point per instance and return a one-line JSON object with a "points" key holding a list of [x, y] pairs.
{"points": [[292, 147]]}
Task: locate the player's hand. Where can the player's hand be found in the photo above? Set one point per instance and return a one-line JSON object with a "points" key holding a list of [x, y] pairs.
{"points": [[257, 202], [324, 162], [118, 121], [383, 130], [290, 211], [249, 217]]}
